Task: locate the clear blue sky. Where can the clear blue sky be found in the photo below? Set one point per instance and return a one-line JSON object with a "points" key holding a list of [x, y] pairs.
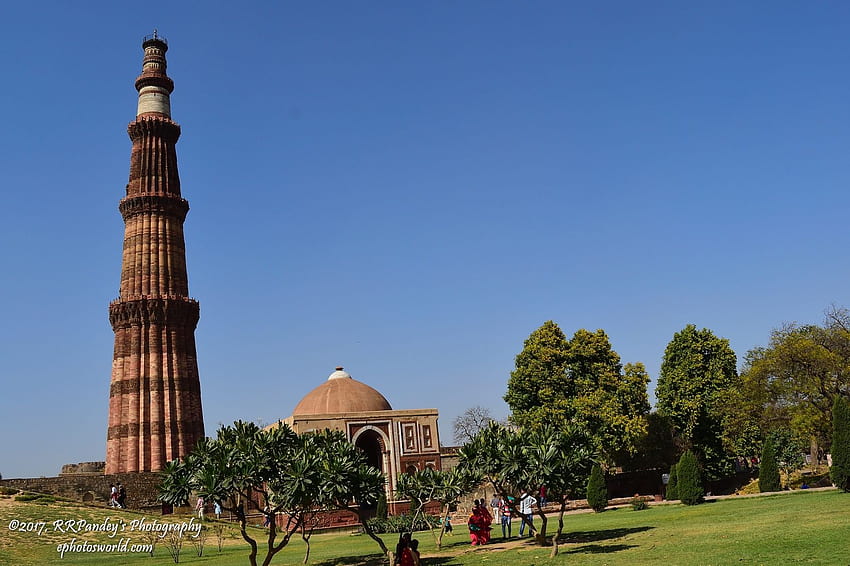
{"points": [[410, 189]]}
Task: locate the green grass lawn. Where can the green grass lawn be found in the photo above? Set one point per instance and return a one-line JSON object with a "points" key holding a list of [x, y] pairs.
{"points": [[798, 527]]}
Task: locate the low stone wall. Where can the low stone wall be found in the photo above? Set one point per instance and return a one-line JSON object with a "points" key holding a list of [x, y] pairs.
{"points": [[142, 488], [83, 468]]}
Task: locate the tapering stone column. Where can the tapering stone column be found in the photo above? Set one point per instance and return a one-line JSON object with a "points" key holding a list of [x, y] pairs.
{"points": [[155, 397]]}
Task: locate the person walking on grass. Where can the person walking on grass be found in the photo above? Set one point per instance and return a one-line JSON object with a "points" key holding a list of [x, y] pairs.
{"points": [[526, 508], [122, 496], [505, 518]]}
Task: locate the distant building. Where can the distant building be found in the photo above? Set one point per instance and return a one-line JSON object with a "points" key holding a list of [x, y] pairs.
{"points": [[395, 441]]}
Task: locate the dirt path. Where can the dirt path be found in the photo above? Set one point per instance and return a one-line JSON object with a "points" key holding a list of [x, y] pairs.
{"points": [[495, 545]]}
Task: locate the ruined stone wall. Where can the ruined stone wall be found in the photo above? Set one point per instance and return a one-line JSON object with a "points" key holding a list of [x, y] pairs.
{"points": [[83, 468], [142, 488]]}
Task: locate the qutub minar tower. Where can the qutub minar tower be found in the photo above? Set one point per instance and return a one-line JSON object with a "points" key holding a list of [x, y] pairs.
{"points": [[155, 395]]}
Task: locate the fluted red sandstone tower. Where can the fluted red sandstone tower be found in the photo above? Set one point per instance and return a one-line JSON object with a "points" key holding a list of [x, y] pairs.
{"points": [[155, 396]]}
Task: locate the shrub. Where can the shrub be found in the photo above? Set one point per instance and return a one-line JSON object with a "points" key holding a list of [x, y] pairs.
{"points": [[639, 503], [400, 524], [381, 511], [28, 497], [689, 486], [35, 498], [840, 470], [768, 470], [673, 484], [597, 491], [8, 490]]}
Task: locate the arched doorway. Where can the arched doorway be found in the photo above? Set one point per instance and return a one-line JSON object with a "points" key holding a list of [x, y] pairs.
{"points": [[371, 443]]}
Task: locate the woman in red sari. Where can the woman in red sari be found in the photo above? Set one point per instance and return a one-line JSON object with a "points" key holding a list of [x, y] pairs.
{"points": [[479, 524]]}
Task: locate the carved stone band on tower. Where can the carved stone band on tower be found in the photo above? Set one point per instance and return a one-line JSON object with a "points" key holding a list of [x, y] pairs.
{"points": [[155, 396]]}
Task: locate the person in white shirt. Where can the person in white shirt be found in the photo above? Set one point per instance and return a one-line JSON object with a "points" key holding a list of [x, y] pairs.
{"points": [[526, 508], [113, 495]]}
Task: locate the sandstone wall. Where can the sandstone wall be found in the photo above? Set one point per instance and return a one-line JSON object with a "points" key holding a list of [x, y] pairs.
{"points": [[142, 487]]}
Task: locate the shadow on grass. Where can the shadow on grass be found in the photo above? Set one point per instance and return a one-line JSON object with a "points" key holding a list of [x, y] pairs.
{"points": [[598, 549], [456, 542], [596, 536], [363, 560], [381, 560]]}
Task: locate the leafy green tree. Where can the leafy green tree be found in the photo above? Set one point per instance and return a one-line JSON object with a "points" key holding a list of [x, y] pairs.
{"points": [[243, 459], [794, 381], [540, 374], [655, 449], [611, 400], [597, 491], [278, 473], [561, 457], [689, 479], [840, 470], [698, 371], [673, 484], [513, 460], [443, 487], [347, 481], [768, 469], [789, 451], [582, 382]]}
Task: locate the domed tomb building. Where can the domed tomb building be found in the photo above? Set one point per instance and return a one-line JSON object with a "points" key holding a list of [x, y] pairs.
{"points": [[395, 441]]}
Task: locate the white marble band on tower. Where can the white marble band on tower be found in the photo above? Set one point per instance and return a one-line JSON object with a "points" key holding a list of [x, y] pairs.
{"points": [[153, 84], [154, 99]]}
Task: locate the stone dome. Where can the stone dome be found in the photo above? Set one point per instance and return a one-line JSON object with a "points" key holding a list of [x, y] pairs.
{"points": [[341, 394]]}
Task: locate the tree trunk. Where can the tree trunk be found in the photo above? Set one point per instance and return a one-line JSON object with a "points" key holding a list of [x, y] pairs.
{"points": [[813, 453], [243, 523], [445, 517], [560, 530], [541, 534], [368, 530], [306, 540]]}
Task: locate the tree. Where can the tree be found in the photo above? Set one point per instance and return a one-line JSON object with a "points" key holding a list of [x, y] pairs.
{"points": [[788, 450], [768, 469], [840, 470], [655, 450], [513, 460], [580, 381], [470, 423], [673, 484], [597, 491], [697, 373], [794, 381], [561, 457], [243, 459], [381, 509], [443, 487], [541, 371], [346, 481], [277, 472], [689, 484]]}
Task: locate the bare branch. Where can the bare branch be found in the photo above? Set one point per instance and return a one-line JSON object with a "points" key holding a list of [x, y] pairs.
{"points": [[472, 421]]}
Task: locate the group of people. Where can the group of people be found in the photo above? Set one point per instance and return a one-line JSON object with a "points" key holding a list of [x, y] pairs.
{"points": [[201, 507], [505, 508], [406, 551], [117, 496]]}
